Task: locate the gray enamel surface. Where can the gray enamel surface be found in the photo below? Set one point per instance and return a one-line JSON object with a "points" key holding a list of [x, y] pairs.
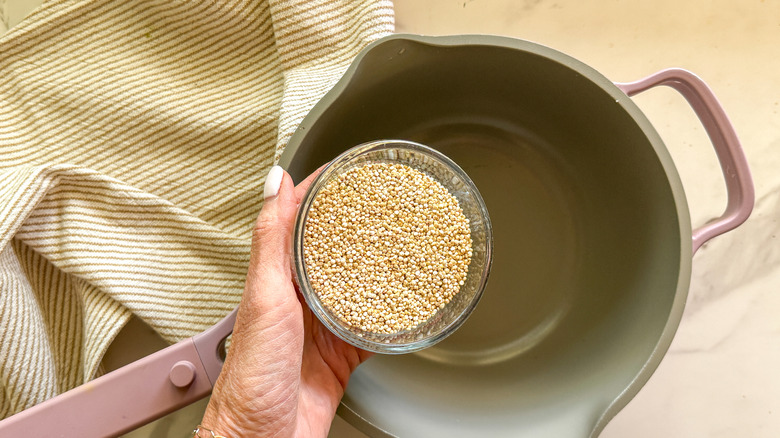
{"points": [[591, 230]]}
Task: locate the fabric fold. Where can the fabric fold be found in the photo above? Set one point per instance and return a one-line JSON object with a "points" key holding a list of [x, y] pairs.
{"points": [[134, 142]]}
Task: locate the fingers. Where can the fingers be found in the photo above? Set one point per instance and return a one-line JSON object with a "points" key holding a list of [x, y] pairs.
{"points": [[271, 241], [273, 229]]}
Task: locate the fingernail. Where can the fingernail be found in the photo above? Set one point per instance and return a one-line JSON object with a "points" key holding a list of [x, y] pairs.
{"points": [[272, 182]]}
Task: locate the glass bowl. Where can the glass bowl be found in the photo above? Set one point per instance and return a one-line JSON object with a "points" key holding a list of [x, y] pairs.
{"points": [[447, 319]]}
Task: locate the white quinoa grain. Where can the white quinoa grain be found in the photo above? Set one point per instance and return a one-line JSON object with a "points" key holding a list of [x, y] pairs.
{"points": [[385, 247]]}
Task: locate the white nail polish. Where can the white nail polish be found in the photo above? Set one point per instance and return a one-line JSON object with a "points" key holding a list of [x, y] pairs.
{"points": [[272, 182]]}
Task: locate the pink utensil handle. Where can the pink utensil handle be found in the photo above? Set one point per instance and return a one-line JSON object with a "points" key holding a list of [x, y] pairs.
{"points": [[739, 183], [211, 345], [119, 401], [133, 395]]}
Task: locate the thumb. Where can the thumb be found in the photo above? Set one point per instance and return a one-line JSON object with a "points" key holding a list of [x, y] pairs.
{"points": [[272, 235]]}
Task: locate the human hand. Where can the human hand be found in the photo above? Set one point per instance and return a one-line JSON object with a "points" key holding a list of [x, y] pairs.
{"points": [[285, 372]]}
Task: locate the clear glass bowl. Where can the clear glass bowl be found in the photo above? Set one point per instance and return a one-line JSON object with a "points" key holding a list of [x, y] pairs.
{"points": [[453, 178]]}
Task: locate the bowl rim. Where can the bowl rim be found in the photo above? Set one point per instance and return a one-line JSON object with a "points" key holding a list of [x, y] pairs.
{"points": [[308, 293]]}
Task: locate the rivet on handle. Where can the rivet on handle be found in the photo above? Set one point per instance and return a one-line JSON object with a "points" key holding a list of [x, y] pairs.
{"points": [[182, 374]]}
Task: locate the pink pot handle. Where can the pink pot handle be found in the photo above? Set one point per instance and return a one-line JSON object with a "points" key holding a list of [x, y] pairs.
{"points": [[131, 396], [739, 184]]}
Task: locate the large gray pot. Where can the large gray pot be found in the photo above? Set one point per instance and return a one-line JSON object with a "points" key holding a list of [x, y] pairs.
{"points": [[593, 241]]}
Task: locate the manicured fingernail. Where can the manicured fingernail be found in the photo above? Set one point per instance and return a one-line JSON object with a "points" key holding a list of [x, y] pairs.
{"points": [[272, 182]]}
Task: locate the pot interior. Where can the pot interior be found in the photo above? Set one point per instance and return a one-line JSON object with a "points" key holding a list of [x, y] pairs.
{"points": [[587, 259]]}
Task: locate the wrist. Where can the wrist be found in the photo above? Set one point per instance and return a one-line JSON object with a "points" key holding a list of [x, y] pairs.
{"points": [[220, 422], [204, 432]]}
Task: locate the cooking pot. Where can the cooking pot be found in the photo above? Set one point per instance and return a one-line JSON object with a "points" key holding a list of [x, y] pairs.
{"points": [[592, 247], [593, 241]]}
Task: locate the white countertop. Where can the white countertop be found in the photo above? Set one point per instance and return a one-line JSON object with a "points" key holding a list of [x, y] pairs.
{"points": [[720, 377]]}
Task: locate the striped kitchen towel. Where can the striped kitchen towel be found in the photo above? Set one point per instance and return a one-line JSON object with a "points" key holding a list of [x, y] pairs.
{"points": [[135, 137]]}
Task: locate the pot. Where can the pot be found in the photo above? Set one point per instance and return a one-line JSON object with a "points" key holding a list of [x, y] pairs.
{"points": [[593, 241]]}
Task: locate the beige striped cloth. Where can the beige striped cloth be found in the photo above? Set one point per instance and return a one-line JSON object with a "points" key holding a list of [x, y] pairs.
{"points": [[135, 137]]}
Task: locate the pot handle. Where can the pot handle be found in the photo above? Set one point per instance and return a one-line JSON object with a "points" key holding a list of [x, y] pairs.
{"points": [[739, 183], [133, 395]]}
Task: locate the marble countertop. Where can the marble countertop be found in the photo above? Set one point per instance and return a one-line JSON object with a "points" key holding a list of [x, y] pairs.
{"points": [[720, 376]]}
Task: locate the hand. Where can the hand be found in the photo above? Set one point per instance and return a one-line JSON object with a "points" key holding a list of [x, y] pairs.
{"points": [[285, 372]]}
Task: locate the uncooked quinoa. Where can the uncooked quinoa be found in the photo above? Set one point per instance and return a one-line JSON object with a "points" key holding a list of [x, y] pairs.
{"points": [[386, 246]]}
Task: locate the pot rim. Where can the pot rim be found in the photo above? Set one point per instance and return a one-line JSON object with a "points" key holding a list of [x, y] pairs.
{"points": [[603, 412]]}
